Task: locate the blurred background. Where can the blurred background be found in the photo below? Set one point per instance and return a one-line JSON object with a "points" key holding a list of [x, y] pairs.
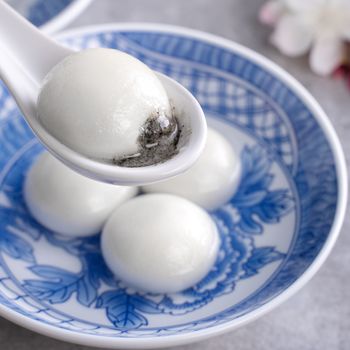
{"points": [[318, 317]]}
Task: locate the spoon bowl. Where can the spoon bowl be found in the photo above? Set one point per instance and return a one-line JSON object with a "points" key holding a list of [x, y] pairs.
{"points": [[27, 56], [188, 154]]}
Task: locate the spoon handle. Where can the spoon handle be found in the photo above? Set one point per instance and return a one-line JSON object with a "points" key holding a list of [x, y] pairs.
{"points": [[33, 52]]}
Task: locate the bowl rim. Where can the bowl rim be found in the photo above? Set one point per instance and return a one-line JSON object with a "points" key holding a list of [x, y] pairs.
{"points": [[341, 171], [64, 17]]}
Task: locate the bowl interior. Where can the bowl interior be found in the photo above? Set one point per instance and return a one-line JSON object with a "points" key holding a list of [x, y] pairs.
{"points": [[271, 230]]}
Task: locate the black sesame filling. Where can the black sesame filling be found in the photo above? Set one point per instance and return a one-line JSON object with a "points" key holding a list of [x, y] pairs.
{"points": [[158, 140]]}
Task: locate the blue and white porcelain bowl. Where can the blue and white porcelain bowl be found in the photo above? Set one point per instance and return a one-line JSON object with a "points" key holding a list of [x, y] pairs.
{"points": [[49, 15], [276, 231]]}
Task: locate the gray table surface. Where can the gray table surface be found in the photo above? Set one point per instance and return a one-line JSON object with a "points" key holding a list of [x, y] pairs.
{"points": [[318, 317]]}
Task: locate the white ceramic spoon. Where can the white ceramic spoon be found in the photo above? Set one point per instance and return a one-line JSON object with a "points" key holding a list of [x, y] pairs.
{"points": [[26, 56]]}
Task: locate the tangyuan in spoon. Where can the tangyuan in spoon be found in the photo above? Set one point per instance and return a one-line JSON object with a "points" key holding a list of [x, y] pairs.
{"points": [[101, 111]]}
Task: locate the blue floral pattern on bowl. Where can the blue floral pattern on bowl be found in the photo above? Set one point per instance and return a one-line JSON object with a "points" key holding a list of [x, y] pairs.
{"points": [[39, 12], [271, 230]]}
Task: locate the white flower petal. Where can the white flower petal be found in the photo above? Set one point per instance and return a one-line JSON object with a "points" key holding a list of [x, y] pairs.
{"points": [[299, 6], [326, 55], [270, 12], [291, 36]]}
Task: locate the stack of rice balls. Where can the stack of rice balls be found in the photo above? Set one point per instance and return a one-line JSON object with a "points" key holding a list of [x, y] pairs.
{"points": [[158, 238]]}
